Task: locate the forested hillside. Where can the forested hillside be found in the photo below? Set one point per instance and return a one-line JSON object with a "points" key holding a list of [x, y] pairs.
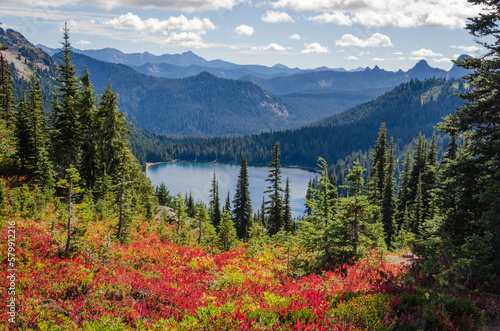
{"points": [[407, 110]]}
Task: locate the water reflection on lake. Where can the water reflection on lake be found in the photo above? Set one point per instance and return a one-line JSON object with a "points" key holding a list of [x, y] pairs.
{"points": [[197, 178]]}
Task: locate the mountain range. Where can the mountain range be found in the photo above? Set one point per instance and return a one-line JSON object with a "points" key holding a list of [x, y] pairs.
{"points": [[208, 105]]}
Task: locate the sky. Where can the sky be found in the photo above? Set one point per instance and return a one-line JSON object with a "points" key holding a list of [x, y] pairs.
{"points": [[393, 34]]}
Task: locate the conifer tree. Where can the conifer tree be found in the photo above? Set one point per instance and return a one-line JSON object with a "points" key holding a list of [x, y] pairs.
{"points": [[307, 210], [471, 182], [190, 206], [163, 195], [228, 202], [376, 176], [215, 212], [22, 134], [89, 128], [335, 194], [242, 203], [112, 130], [274, 206], [37, 130], [389, 204], [66, 120], [227, 232], [403, 198], [287, 213], [320, 232], [7, 102]]}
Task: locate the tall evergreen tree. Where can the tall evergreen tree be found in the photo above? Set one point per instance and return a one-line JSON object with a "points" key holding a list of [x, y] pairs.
{"points": [[112, 130], [388, 203], [22, 134], [89, 128], [228, 202], [403, 198], [309, 196], [287, 213], [274, 206], [242, 211], [470, 192], [66, 120], [38, 131], [7, 102], [215, 212], [376, 177]]}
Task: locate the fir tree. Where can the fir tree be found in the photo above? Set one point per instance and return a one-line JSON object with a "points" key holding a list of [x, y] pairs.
{"points": [[388, 203], [227, 233], [22, 134], [307, 210], [274, 206], [215, 212], [7, 102], [471, 182], [403, 198], [37, 129], [66, 120], [228, 202], [376, 177], [287, 213], [190, 206], [242, 211], [163, 195], [88, 119]]}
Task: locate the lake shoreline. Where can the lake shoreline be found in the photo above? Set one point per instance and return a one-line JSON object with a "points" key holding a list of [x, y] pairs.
{"points": [[149, 164]]}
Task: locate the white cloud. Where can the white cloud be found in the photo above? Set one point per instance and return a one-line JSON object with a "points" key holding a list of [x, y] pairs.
{"points": [[468, 49], [83, 42], [442, 60], [378, 59], [376, 40], [271, 47], [416, 58], [295, 36], [401, 58], [188, 6], [423, 52], [351, 57], [155, 26], [189, 39], [335, 18], [272, 16], [315, 48], [244, 30], [401, 13], [398, 53]]}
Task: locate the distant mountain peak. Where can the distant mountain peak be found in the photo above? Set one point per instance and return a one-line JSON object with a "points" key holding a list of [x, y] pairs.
{"points": [[421, 64]]}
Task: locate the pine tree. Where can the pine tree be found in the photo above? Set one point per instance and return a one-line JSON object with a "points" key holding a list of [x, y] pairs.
{"points": [[242, 211], [287, 213], [89, 128], [228, 202], [307, 210], [376, 177], [388, 203], [403, 199], [274, 206], [112, 130], [22, 134], [66, 120], [451, 151], [190, 206], [37, 130], [7, 103], [333, 180], [163, 195], [227, 233], [471, 182], [215, 213], [320, 232]]}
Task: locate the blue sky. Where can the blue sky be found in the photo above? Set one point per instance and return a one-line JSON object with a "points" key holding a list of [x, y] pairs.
{"points": [[393, 34]]}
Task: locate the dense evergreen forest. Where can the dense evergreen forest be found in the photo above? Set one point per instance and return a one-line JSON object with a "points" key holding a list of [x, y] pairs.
{"points": [[93, 246], [407, 110]]}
